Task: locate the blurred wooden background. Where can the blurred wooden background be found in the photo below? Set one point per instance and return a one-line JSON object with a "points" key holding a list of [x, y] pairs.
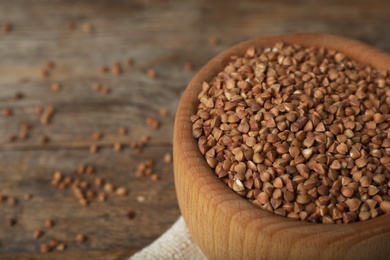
{"points": [[159, 35]]}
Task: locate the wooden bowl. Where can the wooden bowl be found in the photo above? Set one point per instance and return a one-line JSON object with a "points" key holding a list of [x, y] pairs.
{"points": [[226, 226]]}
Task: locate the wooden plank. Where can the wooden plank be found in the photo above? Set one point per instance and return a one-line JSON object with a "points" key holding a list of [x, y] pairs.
{"points": [[162, 35], [104, 255]]}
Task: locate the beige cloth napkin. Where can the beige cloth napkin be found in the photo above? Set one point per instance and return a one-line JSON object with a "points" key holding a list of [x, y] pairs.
{"points": [[175, 243]]}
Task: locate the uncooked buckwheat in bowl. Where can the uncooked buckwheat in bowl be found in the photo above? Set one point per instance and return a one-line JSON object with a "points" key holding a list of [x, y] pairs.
{"points": [[278, 132], [301, 132]]}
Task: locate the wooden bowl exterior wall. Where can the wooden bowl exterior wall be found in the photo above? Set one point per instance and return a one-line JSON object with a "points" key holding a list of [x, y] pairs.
{"points": [[226, 226]]}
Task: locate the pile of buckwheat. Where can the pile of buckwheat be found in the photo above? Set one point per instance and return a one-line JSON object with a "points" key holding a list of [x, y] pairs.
{"points": [[301, 132]]}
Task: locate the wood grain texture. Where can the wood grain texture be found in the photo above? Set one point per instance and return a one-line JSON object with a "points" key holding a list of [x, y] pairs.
{"points": [[90, 254], [157, 34], [226, 226]]}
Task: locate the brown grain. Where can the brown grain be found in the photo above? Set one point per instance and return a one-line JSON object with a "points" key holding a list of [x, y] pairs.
{"points": [[153, 123], [104, 69], [154, 177], [80, 238], [61, 247], [12, 201], [129, 62], [188, 66], [96, 87], [11, 138], [53, 243], [163, 112], [47, 115], [38, 110], [109, 187], [89, 169], [71, 26], [121, 191], [90, 194], [11, 222], [102, 197], [83, 202], [105, 90], [93, 148], [43, 139], [130, 214], [38, 234], [49, 223], [27, 196], [99, 181], [44, 73], [168, 158], [97, 136], [6, 112], [116, 69], [81, 169], [6, 27], [44, 248], [151, 73], [50, 64], [214, 40], [55, 87], [87, 27], [117, 147], [122, 131]]}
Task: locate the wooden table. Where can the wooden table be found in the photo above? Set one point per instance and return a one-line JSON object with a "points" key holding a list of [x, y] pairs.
{"points": [[159, 35]]}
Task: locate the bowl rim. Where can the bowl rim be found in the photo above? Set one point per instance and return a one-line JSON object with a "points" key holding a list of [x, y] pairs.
{"points": [[190, 164]]}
